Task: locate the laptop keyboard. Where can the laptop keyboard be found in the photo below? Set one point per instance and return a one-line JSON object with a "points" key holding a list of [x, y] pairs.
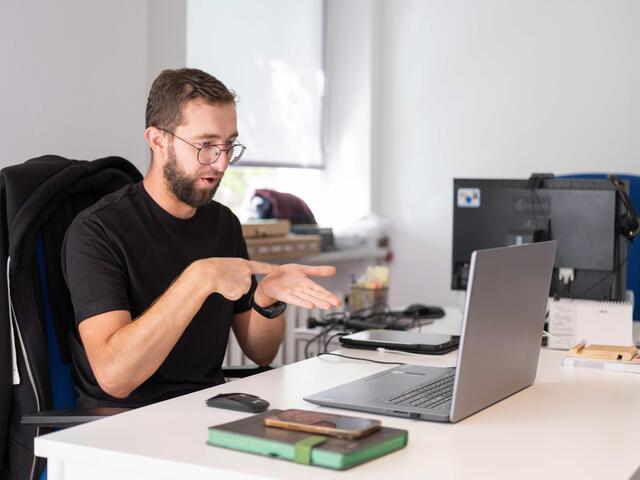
{"points": [[430, 395]]}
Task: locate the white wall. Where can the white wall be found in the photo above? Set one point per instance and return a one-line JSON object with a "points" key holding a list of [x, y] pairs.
{"points": [[75, 75], [166, 37], [347, 133], [492, 88]]}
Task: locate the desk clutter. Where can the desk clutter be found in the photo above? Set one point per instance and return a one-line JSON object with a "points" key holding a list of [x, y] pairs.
{"points": [[374, 319], [253, 435], [618, 358], [369, 290], [573, 321]]}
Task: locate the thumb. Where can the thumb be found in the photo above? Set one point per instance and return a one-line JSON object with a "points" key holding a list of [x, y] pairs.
{"points": [[320, 271]]}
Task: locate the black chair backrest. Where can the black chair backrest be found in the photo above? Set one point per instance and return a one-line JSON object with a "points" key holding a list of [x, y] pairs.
{"points": [[38, 201]]}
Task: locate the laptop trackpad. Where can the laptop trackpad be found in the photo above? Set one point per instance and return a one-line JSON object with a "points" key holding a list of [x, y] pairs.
{"points": [[388, 383], [398, 381]]}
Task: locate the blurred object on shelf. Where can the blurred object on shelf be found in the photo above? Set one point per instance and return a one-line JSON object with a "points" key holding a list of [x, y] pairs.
{"points": [[276, 204], [370, 231], [326, 234], [285, 247], [266, 228]]}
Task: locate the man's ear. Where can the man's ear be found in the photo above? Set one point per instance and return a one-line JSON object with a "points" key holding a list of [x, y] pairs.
{"points": [[155, 138]]}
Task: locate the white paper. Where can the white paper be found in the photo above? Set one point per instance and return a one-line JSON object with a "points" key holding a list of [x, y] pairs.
{"points": [[605, 323], [591, 322], [563, 320]]}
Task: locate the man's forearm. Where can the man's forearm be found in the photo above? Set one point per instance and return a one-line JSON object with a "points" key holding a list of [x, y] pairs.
{"points": [[134, 352], [262, 337]]}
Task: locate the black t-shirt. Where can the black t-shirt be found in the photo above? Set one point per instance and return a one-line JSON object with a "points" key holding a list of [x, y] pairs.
{"points": [[122, 254]]}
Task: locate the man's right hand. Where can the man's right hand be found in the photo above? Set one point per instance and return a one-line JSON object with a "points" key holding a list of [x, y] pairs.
{"points": [[230, 277]]}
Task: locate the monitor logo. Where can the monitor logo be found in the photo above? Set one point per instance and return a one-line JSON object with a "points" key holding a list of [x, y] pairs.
{"points": [[469, 197], [531, 205]]}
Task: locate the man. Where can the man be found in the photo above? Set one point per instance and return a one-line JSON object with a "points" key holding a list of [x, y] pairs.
{"points": [[159, 272]]}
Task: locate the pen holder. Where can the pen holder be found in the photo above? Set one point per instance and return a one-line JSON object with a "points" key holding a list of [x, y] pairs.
{"points": [[361, 297]]}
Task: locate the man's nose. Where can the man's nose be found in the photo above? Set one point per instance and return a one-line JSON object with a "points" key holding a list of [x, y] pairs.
{"points": [[221, 163]]}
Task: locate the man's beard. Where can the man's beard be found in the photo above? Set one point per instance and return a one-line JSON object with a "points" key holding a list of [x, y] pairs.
{"points": [[183, 186]]}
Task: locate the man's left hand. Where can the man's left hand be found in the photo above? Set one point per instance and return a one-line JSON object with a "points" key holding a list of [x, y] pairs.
{"points": [[291, 284]]}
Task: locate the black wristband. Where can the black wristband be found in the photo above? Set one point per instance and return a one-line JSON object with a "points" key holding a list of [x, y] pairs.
{"points": [[272, 311]]}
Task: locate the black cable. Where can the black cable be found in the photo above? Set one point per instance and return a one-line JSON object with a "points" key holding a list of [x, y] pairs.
{"points": [[533, 196], [607, 276], [314, 338], [360, 358], [326, 344], [320, 339], [387, 319], [395, 317]]}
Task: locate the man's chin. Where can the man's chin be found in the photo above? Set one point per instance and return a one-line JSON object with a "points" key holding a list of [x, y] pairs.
{"points": [[205, 194]]}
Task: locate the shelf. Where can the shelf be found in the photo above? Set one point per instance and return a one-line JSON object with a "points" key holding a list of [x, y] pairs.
{"points": [[346, 255]]}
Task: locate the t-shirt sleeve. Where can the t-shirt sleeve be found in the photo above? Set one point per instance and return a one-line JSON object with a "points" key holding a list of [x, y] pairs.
{"points": [[94, 274], [243, 303]]}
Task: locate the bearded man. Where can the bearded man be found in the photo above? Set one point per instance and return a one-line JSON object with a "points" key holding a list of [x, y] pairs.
{"points": [[159, 272]]}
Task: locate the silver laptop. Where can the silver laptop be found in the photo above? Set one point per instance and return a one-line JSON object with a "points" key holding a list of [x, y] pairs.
{"points": [[499, 347]]}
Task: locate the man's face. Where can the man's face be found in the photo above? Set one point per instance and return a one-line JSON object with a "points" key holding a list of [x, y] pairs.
{"points": [[191, 182]]}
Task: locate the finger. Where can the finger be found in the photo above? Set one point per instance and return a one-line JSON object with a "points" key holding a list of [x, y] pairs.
{"points": [[261, 268], [320, 271], [292, 299], [322, 293], [233, 295], [318, 302]]}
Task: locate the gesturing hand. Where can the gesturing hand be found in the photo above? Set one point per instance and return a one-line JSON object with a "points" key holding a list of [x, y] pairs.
{"points": [[230, 277], [291, 284]]}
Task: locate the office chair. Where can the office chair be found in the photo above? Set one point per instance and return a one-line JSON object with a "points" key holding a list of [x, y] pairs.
{"points": [[38, 201]]}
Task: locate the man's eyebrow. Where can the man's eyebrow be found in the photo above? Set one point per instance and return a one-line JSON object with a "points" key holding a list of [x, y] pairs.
{"points": [[213, 136]]}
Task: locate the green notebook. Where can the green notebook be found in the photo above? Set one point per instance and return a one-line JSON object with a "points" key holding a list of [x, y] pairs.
{"points": [[250, 435]]}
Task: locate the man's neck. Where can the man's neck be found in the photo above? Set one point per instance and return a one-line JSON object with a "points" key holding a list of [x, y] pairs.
{"points": [[161, 194]]}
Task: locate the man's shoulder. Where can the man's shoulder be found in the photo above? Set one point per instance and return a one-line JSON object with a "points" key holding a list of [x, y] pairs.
{"points": [[113, 204], [218, 212], [115, 207]]}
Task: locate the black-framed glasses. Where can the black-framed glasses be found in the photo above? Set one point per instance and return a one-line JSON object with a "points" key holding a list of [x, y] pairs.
{"points": [[210, 152]]}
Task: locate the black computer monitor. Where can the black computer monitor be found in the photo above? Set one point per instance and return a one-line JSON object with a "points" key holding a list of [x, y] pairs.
{"points": [[579, 213]]}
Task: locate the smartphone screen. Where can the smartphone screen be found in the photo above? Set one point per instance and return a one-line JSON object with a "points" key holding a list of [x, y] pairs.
{"points": [[342, 426]]}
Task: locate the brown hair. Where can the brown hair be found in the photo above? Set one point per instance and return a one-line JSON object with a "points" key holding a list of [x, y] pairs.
{"points": [[172, 89]]}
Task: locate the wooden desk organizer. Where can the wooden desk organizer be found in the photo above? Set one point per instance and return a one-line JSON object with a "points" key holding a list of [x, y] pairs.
{"points": [[604, 352]]}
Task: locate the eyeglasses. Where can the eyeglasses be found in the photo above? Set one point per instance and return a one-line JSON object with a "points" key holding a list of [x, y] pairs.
{"points": [[210, 152]]}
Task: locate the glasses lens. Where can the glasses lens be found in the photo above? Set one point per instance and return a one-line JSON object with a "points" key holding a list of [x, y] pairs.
{"points": [[208, 154], [235, 153], [211, 153]]}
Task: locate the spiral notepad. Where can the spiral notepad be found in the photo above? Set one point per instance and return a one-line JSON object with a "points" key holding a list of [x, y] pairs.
{"points": [[589, 321]]}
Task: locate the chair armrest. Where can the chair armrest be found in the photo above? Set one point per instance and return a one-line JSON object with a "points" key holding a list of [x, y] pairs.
{"points": [[69, 418], [243, 371]]}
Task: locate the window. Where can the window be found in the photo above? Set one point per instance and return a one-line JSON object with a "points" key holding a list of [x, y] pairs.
{"points": [[271, 54]]}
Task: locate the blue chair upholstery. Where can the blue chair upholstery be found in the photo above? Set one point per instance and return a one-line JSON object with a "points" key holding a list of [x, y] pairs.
{"points": [[63, 392], [633, 254]]}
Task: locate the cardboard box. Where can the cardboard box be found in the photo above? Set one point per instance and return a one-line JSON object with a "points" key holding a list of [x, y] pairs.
{"points": [[288, 247], [266, 228]]}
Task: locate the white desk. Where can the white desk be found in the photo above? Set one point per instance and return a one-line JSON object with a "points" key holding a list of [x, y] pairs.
{"points": [[571, 422]]}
